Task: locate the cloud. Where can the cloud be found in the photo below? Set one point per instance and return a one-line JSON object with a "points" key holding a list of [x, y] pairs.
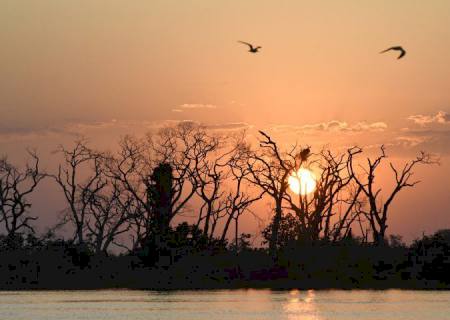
{"points": [[432, 133], [79, 127], [429, 140], [441, 117], [191, 106], [73, 128], [410, 141], [111, 128], [29, 133], [332, 126], [230, 126], [364, 126]]}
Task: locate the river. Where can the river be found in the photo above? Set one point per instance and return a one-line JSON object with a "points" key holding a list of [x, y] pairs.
{"points": [[225, 304]]}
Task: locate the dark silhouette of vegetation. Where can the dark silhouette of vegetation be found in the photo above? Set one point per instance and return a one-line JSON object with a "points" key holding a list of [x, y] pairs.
{"points": [[15, 186], [378, 211], [163, 212]]}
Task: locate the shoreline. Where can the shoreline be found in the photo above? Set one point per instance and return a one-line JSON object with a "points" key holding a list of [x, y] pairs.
{"points": [[261, 286]]}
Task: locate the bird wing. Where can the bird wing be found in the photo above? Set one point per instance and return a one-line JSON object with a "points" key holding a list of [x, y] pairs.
{"points": [[249, 44], [391, 48], [403, 52]]}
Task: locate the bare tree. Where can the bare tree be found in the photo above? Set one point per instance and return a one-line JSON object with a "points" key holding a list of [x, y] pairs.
{"points": [[269, 169], [348, 214], [220, 180], [15, 186], [77, 162], [184, 148], [378, 209], [108, 214], [328, 212], [240, 197], [188, 148], [130, 169], [210, 174]]}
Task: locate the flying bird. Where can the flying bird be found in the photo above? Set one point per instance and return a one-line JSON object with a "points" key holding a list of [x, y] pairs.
{"points": [[397, 48], [251, 49]]}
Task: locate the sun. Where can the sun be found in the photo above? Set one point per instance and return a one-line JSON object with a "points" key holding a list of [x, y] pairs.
{"points": [[302, 182]]}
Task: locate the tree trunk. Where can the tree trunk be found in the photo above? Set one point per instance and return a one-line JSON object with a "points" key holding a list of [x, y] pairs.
{"points": [[275, 227], [225, 228], [380, 239]]}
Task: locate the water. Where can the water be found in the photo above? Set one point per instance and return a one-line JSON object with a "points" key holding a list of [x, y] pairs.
{"points": [[229, 304]]}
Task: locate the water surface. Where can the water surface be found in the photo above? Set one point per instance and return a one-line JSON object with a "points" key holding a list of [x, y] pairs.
{"points": [[227, 304]]}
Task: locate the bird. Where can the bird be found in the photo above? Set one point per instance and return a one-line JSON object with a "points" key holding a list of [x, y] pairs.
{"points": [[397, 48], [251, 49], [304, 154]]}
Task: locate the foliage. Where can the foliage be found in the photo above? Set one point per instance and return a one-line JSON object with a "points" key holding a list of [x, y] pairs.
{"points": [[137, 199]]}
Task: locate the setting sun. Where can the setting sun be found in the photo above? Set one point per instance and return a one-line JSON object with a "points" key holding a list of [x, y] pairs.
{"points": [[302, 182]]}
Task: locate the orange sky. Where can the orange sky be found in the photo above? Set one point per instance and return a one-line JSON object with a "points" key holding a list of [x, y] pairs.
{"points": [[106, 68]]}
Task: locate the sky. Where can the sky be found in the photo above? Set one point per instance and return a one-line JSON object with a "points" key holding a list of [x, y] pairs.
{"points": [[108, 68]]}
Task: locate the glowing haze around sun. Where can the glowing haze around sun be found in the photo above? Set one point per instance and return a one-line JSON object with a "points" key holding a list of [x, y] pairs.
{"points": [[302, 182]]}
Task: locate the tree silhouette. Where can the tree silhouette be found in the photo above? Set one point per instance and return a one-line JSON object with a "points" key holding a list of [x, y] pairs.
{"points": [[241, 194], [148, 187], [328, 212], [108, 214], [160, 187], [377, 213], [15, 186], [184, 148], [77, 189], [269, 169]]}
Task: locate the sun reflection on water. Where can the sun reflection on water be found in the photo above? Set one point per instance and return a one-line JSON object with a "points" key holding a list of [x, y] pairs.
{"points": [[301, 305]]}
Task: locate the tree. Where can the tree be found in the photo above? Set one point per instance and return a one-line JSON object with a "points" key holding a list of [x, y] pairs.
{"points": [[76, 189], [160, 186], [130, 169], [240, 196], [210, 175], [15, 186], [108, 214], [269, 169], [287, 233], [184, 148], [377, 213], [328, 212]]}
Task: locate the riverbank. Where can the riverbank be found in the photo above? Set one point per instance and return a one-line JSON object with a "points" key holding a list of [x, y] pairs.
{"points": [[305, 268]]}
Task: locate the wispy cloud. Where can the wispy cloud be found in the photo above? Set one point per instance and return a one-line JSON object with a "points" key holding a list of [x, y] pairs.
{"points": [[230, 126], [79, 127], [332, 126], [432, 132], [191, 106], [435, 140], [410, 141], [337, 133], [111, 127], [28, 133], [441, 117], [73, 128]]}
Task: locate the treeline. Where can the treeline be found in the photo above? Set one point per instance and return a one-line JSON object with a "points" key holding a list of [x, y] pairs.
{"points": [[50, 263], [137, 198]]}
